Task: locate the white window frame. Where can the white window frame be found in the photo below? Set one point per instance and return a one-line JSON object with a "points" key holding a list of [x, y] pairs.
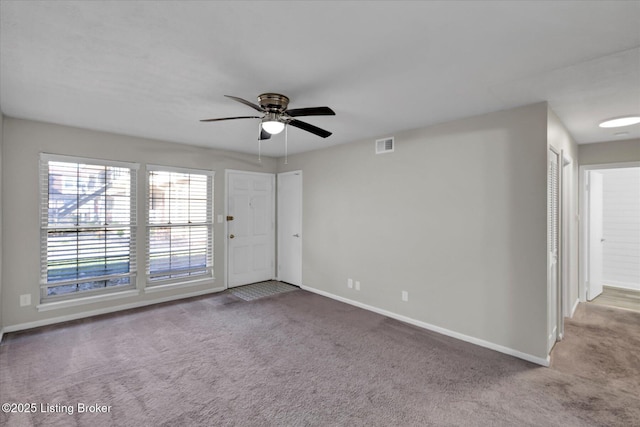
{"points": [[153, 285], [45, 227]]}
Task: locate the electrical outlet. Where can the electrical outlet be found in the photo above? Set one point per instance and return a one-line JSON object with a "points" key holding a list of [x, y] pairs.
{"points": [[357, 285], [350, 283], [405, 296], [25, 300]]}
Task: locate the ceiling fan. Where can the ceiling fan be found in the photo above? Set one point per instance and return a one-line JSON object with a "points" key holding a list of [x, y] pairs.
{"points": [[276, 115]]}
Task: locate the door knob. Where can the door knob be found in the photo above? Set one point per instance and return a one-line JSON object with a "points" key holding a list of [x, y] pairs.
{"points": [[296, 235], [231, 236], [602, 240]]}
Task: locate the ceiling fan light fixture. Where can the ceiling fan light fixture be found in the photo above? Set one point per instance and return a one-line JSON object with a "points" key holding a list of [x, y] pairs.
{"points": [[620, 122], [271, 124]]}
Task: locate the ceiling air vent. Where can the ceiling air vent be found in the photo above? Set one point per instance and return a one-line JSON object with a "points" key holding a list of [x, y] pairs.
{"points": [[384, 145]]}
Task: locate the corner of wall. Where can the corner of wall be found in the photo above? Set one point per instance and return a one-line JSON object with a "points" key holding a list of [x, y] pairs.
{"points": [[1, 240], [559, 138]]}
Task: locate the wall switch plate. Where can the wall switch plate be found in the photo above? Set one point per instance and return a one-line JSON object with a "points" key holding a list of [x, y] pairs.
{"points": [[405, 296], [350, 283], [25, 300], [220, 219], [357, 285]]}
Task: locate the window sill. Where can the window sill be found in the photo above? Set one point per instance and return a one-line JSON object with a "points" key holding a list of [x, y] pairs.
{"points": [[86, 300], [167, 286]]}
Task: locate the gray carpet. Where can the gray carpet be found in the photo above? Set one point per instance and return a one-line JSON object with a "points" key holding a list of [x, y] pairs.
{"points": [[299, 359]]}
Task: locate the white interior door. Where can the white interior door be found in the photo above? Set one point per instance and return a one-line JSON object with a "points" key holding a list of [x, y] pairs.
{"points": [[250, 227], [553, 199], [595, 238], [290, 227]]}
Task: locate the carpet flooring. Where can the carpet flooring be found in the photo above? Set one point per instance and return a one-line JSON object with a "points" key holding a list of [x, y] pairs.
{"points": [[299, 359]]}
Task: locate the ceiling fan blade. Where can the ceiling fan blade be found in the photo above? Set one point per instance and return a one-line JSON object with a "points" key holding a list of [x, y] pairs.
{"points": [[245, 102], [264, 135], [313, 111], [230, 118], [310, 128]]}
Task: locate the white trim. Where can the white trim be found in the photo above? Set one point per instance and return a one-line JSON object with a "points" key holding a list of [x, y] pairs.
{"points": [[53, 320], [226, 228], [161, 168], [227, 171], [558, 327], [278, 210], [1, 334], [210, 224], [574, 308], [583, 252], [89, 160], [274, 269], [622, 165], [56, 305], [482, 343], [45, 227], [150, 288]]}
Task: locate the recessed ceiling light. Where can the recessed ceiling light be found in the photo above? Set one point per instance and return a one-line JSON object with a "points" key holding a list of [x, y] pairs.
{"points": [[620, 121]]}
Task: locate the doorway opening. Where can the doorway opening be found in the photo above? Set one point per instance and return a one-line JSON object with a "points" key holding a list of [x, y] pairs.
{"points": [[250, 227], [610, 250], [252, 200]]}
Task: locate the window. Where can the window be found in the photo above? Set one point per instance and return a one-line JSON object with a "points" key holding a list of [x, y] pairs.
{"points": [[88, 222], [179, 225]]}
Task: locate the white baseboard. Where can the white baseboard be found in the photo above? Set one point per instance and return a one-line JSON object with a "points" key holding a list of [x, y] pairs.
{"points": [[75, 316], [574, 308], [482, 343]]}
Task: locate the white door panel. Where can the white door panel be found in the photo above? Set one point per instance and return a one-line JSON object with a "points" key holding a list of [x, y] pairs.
{"points": [[553, 224], [596, 237], [260, 216], [290, 227], [250, 234]]}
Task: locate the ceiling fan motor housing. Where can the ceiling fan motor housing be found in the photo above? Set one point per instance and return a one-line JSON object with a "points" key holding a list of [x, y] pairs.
{"points": [[273, 102]]}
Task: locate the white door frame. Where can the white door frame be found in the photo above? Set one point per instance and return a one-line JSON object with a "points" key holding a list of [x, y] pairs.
{"points": [[584, 216], [278, 222], [559, 290], [226, 223], [567, 215]]}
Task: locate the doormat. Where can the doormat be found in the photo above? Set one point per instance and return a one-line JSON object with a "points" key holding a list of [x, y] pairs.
{"points": [[261, 290]]}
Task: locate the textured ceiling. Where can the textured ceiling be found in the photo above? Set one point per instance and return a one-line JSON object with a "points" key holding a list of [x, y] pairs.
{"points": [[153, 69]]}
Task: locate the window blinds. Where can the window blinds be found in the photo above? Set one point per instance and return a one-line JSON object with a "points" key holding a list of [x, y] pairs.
{"points": [[88, 219], [180, 224]]}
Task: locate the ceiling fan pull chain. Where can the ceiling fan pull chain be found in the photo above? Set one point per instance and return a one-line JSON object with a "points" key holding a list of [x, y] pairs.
{"points": [[286, 144], [259, 143]]}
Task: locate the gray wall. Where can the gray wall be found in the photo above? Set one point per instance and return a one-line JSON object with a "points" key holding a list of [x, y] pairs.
{"points": [[609, 152], [456, 216], [24, 140]]}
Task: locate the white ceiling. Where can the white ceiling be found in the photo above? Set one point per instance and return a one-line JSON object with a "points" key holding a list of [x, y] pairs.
{"points": [[154, 68]]}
